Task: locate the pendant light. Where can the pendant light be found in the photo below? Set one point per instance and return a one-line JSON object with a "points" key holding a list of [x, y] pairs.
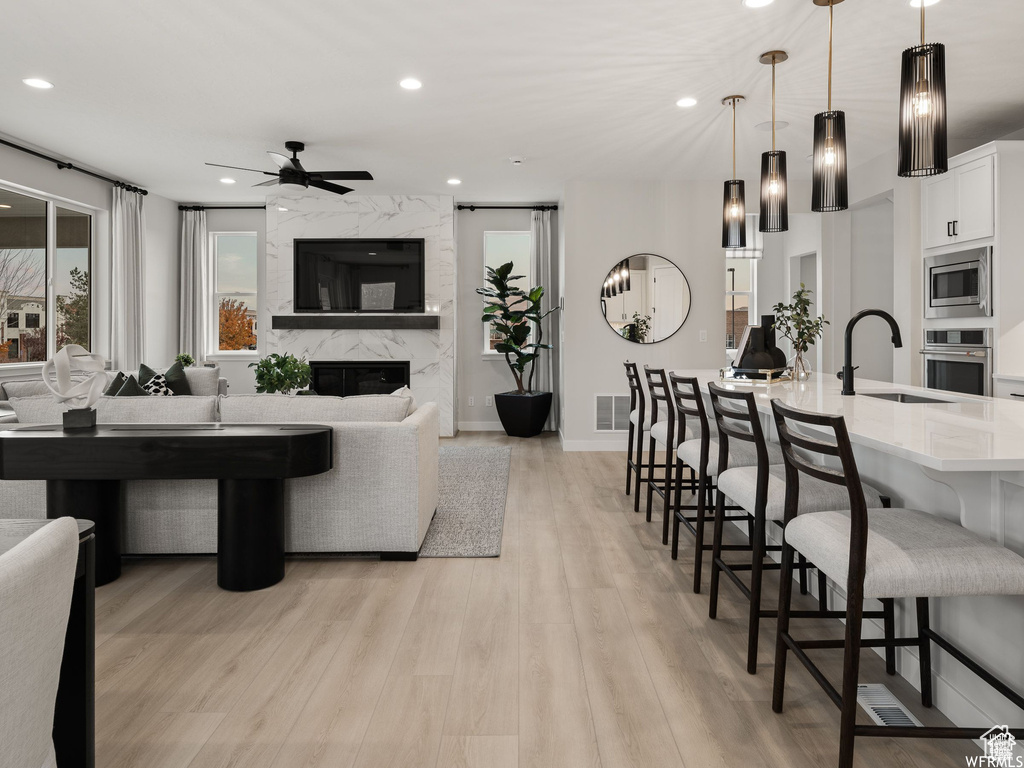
{"points": [[829, 186], [923, 148], [734, 213], [774, 200]]}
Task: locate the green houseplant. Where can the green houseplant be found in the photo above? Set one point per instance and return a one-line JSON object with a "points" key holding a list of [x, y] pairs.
{"points": [[515, 318], [794, 322], [281, 373], [185, 359]]}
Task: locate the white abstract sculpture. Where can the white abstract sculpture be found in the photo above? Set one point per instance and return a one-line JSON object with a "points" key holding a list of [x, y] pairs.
{"points": [[77, 394]]}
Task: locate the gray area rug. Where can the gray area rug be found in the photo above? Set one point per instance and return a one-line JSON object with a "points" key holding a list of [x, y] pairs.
{"points": [[473, 483]]}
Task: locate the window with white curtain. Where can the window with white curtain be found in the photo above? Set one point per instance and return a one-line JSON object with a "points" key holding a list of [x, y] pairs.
{"points": [[46, 255], [501, 248], [234, 300], [740, 299]]}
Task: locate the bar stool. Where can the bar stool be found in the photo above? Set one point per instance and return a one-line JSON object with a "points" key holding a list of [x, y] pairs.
{"points": [[892, 553], [664, 433], [639, 423], [700, 432], [760, 489]]}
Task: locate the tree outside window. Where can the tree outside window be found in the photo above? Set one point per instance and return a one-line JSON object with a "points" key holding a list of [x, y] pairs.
{"points": [[235, 290]]}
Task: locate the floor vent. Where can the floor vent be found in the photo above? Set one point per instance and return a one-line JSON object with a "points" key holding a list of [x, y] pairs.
{"points": [[884, 708], [611, 413]]}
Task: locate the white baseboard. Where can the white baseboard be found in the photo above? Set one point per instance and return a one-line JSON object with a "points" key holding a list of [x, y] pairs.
{"points": [[480, 426], [593, 445]]}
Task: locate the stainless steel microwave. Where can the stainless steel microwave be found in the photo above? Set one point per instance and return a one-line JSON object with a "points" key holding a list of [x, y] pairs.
{"points": [[958, 284]]}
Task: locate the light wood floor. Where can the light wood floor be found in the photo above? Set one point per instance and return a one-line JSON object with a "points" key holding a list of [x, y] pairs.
{"points": [[582, 645]]}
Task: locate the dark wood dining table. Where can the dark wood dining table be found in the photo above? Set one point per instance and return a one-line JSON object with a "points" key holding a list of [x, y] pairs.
{"points": [[74, 716]]}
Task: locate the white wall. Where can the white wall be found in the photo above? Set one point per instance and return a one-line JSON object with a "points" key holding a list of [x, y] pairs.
{"points": [[240, 377], [603, 222], [161, 270], [479, 375], [871, 284]]}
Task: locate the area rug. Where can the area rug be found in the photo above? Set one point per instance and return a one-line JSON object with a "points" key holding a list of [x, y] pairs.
{"points": [[473, 483]]}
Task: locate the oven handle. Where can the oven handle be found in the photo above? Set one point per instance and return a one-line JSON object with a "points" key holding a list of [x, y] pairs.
{"points": [[980, 354]]}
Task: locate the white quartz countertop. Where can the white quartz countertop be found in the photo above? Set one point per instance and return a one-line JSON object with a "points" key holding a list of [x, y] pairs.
{"points": [[969, 434]]}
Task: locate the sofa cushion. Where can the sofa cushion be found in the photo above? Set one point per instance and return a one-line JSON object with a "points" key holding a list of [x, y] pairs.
{"points": [[202, 381], [312, 408], [27, 388], [44, 409]]}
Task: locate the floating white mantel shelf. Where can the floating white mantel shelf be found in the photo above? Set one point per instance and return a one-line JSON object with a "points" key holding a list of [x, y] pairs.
{"points": [[410, 322]]}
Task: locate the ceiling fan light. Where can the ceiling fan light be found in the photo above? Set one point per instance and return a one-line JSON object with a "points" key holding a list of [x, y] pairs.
{"points": [[830, 183]]}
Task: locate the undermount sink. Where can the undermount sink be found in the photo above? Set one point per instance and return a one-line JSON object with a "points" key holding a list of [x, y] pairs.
{"points": [[905, 397]]}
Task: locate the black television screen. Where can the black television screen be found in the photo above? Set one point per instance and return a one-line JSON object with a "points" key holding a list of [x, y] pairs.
{"points": [[359, 275]]}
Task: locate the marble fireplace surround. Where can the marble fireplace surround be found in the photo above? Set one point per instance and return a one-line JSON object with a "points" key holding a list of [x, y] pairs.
{"points": [[431, 353]]}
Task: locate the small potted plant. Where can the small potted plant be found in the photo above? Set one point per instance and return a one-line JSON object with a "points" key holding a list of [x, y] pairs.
{"points": [[186, 360], [794, 322], [638, 329], [282, 373], [513, 314]]}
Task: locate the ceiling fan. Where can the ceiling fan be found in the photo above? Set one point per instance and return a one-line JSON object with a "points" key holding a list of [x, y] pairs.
{"points": [[291, 173]]}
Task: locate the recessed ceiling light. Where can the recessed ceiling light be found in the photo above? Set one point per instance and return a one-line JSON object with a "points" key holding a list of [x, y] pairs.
{"points": [[767, 125], [227, 181], [36, 82], [411, 84], [454, 181], [4, 205], [281, 209], [917, 3], [687, 101], [757, 3]]}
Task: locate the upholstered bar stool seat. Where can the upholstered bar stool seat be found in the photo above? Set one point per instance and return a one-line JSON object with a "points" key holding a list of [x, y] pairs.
{"points": [[740, 455], [634, 419], [740, 485], [660, 433], [909, 553]]}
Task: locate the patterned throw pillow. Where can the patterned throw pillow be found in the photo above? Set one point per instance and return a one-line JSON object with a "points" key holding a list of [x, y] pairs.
{"points": [[157, 385]]}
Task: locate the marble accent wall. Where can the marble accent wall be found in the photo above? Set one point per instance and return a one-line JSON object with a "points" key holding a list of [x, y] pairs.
{"points": [[431, 354]]}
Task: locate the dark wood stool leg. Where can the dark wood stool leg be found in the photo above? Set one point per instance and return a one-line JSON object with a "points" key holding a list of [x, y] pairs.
{"points": [[822, 591], [100, 501], [782, 627], [803, 575], [756, 578], [639, 468], [677, 510], [650, 477], [672, 480], [250, 533], [924, 650], [629, 458], [889, 624], [703, 499], [716, 553], [851, 675]]}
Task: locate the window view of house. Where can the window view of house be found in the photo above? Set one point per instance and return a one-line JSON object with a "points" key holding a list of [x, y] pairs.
{"points": [[235, 281], [740, 277], [22, 278]]}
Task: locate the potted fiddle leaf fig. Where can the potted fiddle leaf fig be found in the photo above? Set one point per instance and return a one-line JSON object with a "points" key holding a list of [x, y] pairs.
{"points": [[515, 318]]}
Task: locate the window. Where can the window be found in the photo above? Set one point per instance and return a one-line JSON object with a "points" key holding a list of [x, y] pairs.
{"points": [[501, 248], [740, 307], [234, 257], [45, 293]]}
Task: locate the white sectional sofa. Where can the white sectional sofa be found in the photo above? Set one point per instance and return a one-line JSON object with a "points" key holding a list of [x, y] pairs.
{"points": [[380, 495]]}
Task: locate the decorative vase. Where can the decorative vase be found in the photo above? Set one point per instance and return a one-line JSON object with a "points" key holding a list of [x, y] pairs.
{"points": [[801, 368]]}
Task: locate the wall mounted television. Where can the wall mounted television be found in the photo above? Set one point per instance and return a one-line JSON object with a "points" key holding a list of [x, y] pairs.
{"points": [[357, 275]]}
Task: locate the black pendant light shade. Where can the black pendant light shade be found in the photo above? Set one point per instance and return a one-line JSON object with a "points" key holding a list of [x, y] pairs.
{"points": [[829, 187], [617, 281], [734, 215], [774, 200], [923, 147]]}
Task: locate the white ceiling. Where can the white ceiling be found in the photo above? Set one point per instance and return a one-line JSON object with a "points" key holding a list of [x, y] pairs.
{"points": [[148, 91]]}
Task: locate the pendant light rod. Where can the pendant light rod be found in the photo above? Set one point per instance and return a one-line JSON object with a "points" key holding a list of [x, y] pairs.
{"points": [[830, 7], [773, 58], [733, 101], [922, 21]]}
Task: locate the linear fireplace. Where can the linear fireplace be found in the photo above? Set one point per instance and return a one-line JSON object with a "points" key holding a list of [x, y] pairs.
{"points": [[361, 377]]}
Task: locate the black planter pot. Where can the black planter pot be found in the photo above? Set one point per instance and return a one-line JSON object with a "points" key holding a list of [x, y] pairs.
{"points": [[523, 415]]}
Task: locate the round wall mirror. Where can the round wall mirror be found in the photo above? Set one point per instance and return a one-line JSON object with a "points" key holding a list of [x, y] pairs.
{"points": [[645, 298]]}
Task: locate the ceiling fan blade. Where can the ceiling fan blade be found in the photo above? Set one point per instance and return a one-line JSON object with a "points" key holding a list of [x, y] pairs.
{"points": [[326, 185], [281, 161], [270, 183], [238, 168], [342, 175]]}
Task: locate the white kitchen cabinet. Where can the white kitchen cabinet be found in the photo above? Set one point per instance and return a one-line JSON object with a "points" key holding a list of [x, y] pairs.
{"points": [[1009, 388], [614, 311], [635, 299], [959, 206]]}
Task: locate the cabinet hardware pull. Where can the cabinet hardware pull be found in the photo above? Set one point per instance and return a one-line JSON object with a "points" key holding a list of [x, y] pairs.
{"points": [[956, 228], [949, 229]]}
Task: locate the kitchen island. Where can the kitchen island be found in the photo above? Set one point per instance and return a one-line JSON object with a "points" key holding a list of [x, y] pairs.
{"points": [[960, 457]]}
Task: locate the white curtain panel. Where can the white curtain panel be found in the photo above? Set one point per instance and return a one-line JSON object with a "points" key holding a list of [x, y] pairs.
{"points": [[195, 284], [128, 253], [544, 272]]}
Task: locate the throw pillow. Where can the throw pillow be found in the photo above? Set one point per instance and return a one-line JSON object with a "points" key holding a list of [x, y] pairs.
{"points": [[145, 374], [157, 386], [131, 388], [177, 382], [406, 392], [115, 384]]}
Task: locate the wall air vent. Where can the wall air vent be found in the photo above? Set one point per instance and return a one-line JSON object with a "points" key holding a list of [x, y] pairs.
{"points": [[611, 413], [884, 708]]}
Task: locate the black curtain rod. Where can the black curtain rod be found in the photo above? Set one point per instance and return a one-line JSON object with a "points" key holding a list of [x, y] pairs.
{"points": [[64, 165], [542, 207], [222, 207]]}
